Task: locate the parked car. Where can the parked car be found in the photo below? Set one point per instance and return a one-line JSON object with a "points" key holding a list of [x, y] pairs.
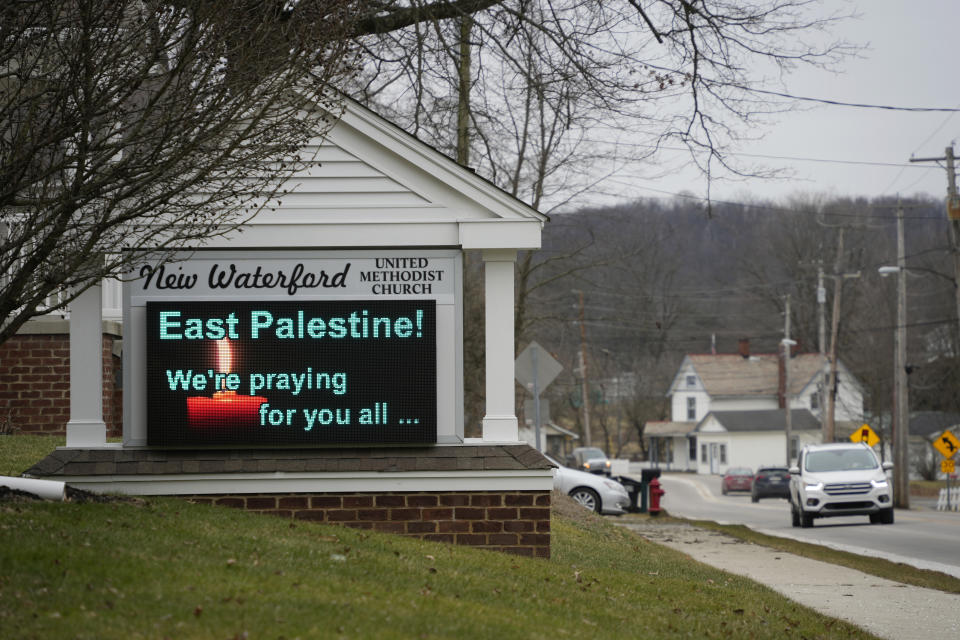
{"points": [[839, 479], [770, 482], [736, 479], [602, 495], [589, 459]]}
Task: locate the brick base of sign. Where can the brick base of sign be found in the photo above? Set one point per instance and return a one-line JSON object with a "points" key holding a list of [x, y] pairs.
{"points": [[35, 381], [513, 522]]}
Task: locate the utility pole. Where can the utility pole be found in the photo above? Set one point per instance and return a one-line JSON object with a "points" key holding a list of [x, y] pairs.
{"points": [[901, 471], [584, 386], [822, 346], [787, 344], [821, 316], [953, 215], [828, 419], [829, 424]]}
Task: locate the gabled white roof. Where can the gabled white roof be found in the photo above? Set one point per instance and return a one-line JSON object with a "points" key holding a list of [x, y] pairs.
{"points": [[369, 183], [732, 375]]}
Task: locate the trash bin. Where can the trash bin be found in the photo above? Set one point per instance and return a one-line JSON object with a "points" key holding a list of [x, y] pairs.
{"points": [[635, 489], [638, 490]]}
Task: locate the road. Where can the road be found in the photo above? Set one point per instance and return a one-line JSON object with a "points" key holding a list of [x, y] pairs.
{"points": [[920, 537]]}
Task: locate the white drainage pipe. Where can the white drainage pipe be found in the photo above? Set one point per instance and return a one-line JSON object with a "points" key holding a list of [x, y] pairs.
{"points": [[46, 489]]}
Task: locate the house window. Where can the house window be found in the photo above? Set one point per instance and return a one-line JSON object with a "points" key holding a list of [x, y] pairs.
{"points": [[703, 453], [691, 381], [723, 454], [691, 408], [794, 446], [815, 400], [693, 450]]}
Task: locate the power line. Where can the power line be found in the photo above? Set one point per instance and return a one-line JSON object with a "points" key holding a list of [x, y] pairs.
{"points": [[768, 207], [826, 101], [866, 163], [925, 141], [839, 103]]}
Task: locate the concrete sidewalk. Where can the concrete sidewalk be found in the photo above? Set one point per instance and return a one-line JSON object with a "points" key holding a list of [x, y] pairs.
{"points": [[885, 608]]}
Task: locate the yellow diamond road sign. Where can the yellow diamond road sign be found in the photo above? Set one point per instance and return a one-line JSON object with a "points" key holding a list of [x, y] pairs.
{"points": [[947, 444], [865, 434]]}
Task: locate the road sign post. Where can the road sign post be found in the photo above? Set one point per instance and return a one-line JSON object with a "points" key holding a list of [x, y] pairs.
{"points": [[535, 369]]}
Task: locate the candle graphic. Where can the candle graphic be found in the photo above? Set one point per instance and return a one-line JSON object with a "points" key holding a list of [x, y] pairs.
{"points": [[226, 409]]}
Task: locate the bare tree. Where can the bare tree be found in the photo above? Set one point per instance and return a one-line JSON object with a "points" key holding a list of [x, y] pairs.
{"points": [[132, 128], [556, 86], [546, 98]]}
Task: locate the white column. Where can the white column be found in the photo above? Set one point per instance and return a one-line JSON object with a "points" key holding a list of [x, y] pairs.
{"points": [[500, 421], [86, 427]]}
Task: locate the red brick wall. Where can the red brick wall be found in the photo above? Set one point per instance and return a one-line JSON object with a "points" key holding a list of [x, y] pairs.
{"points": [[515, 522], [35, 384]]}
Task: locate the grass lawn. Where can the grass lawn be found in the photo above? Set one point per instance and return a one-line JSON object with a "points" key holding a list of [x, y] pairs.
{"points": [[161, 567], [929, 488], [19, 453]]}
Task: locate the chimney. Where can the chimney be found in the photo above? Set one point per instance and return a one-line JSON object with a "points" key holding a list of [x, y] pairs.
{"points": [[745, 348]]}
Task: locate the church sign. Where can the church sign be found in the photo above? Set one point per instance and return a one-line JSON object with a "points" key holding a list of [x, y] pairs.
{"points": [[293, 349]]}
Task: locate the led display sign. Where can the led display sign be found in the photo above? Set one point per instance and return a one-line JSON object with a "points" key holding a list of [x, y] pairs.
{"points": [[291, 372]]}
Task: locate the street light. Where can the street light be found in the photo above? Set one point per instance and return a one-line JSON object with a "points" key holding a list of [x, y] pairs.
{"points": [[901, 486]]}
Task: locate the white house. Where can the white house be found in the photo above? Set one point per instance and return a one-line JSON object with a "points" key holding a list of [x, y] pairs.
{"points": [[751, 439], [671, 445], [743, 383]]}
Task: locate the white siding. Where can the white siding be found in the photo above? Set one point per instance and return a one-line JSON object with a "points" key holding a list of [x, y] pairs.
{"points": [[849, 401], [849, 405], [751, 449], [758, 403], [679, 406]]}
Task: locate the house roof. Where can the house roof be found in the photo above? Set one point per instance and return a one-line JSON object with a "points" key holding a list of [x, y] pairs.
{"points": [[765, 420], [661, 428], [756, 375], [557, 430], [932, 423]]}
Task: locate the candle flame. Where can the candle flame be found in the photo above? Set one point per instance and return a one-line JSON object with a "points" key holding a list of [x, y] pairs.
{"points": [[224, 356]]}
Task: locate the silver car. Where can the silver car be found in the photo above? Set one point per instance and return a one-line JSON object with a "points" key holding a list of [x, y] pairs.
{"points": [[595, 492], [589, 459], [839, 479]]}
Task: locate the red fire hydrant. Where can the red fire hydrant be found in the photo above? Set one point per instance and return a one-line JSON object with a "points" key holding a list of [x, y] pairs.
{"points": [[655, 493]]}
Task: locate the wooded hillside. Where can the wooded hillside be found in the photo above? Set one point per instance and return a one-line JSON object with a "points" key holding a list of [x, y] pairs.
{"points": [[664, 278]]}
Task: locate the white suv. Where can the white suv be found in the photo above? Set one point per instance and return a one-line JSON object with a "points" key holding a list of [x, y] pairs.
{"points": [[839, 479]]}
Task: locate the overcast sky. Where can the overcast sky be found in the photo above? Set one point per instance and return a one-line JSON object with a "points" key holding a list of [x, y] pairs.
{"points": [[908, 62]]}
